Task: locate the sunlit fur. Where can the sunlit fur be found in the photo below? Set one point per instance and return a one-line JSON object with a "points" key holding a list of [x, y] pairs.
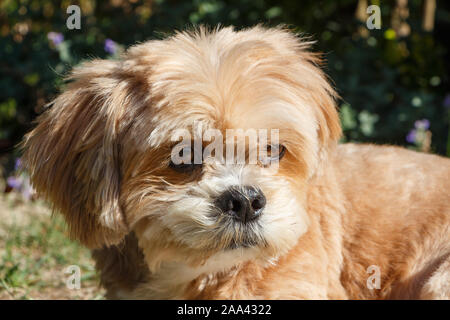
{"points": [[100, 154]]}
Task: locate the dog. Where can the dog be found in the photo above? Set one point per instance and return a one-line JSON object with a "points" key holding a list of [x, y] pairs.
{"points": [[323, 220]]}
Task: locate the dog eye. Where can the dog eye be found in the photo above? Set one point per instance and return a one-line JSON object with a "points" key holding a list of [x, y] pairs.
{"points": [[183, 160], [274, 153]]}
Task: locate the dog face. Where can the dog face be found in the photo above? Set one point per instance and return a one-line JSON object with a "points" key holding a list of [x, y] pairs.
{"points": [[103, 153]]}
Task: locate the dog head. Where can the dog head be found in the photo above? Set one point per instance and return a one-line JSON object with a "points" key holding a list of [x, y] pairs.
{"points": [[103, 154]]}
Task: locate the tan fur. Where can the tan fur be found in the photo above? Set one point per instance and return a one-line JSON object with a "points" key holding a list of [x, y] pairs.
{"points": [[100, 154]]}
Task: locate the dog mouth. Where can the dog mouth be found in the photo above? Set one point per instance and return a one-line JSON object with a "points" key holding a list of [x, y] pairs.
{"points": [[232, 234], [246, 243]]}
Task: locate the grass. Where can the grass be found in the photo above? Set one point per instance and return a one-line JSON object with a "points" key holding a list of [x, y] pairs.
{"points": [[35, 251]]}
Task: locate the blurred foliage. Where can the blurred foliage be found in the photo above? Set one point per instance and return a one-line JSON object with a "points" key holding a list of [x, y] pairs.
{"points": [[386, 81]]}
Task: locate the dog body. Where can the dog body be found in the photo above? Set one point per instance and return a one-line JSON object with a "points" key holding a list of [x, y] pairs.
{"points": [[358, 220], [316, 221]]}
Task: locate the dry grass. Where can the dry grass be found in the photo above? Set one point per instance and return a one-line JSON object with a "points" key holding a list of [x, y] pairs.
{"points": [[35, 251]]}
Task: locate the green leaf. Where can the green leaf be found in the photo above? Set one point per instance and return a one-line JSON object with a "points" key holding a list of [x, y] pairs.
{"points": [[273, 12], [348, 117], [367, 121]]}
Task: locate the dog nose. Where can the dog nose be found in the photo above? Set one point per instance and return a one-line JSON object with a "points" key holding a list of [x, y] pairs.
{"points": [[242, 203]]}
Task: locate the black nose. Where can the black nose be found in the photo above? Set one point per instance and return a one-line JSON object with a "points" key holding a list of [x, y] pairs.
{"points": [[242, 203]]}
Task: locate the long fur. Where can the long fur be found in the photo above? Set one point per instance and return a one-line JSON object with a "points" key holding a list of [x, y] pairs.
{"points": [[101, 156]]}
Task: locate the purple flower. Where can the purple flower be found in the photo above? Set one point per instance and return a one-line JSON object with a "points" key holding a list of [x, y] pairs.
{"points": [[14, 182], [18, 164], [411, 137], [446, 102], [27, 190], [423, 124], [55, 37], [110, 46], [22, 185]]}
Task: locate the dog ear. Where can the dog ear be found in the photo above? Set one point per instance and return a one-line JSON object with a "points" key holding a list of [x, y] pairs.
{"points": [[73, 154], [324, 97], [312, 79], [329, 125]]}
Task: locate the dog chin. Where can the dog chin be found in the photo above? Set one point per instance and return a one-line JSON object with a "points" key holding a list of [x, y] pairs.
{"points": [[247, 242], [219, 251]]}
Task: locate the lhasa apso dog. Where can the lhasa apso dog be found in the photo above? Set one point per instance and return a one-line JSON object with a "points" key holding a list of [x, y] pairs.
{"points": [[310, 219]]}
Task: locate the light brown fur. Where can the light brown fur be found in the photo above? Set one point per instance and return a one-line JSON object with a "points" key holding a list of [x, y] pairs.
{"points": [[100, 154]]}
